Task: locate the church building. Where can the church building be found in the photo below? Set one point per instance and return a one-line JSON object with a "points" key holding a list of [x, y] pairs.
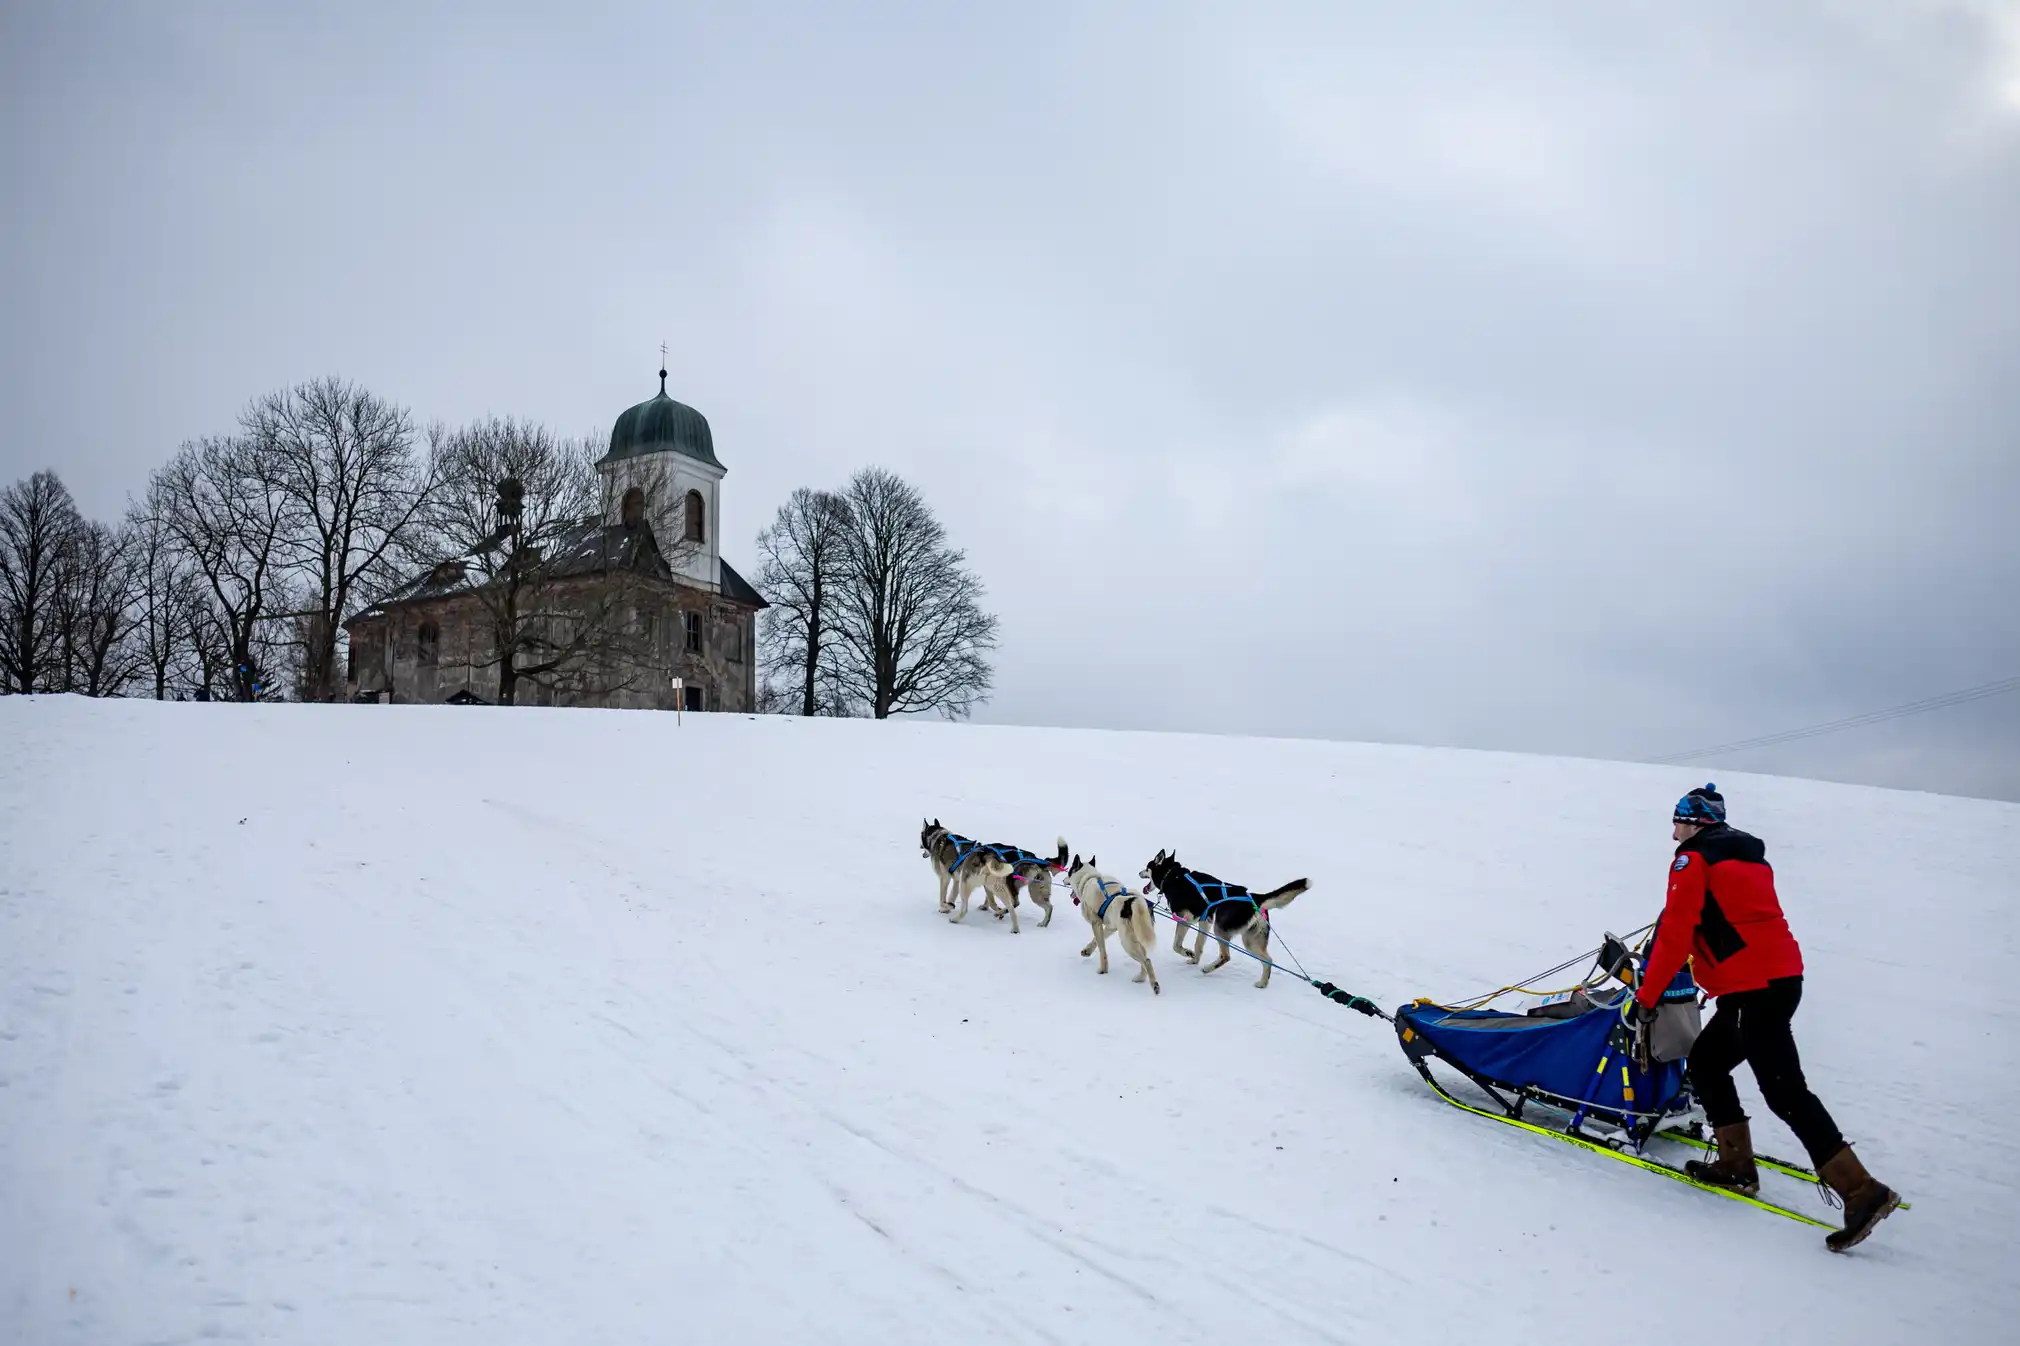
{"points": [[634, 598]]}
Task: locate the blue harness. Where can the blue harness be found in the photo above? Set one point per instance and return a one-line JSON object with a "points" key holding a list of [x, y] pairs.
{"points": [[1010, 854], [1121, 890], [966, 849], [1227, 895]]}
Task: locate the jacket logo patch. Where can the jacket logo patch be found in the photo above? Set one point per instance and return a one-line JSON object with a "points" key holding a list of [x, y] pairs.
{"points": [[1682, 862]]}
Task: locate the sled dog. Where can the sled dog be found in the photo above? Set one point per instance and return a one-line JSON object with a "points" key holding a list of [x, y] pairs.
{"points": [[961, 865], [1203, 903], [1031, 873], [1113, 910]]}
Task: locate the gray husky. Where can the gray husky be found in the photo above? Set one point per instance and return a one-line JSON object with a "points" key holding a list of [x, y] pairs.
{"points": [[961, 865], [1030, 873]]}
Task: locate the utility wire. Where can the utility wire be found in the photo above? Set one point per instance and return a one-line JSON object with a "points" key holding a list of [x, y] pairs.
{"points": [[1978, 693]]}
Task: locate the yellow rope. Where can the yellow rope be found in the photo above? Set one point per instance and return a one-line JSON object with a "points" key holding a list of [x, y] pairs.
{"points": [[1525, 990]]}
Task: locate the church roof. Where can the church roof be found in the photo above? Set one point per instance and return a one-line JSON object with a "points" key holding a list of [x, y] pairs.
{"points": [[662, 425], [735, 586], [579, 547]]}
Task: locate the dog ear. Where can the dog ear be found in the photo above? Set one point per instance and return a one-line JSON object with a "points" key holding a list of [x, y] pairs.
{"points": [[1093, 860]]}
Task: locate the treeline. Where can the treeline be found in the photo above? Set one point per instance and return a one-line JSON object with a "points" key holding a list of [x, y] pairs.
{"points": [[230, 576]]}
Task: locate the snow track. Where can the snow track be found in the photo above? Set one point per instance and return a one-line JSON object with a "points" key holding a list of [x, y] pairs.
{"points": [[452, 1025]]}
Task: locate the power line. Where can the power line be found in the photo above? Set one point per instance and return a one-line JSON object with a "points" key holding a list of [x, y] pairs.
{"points": [[1978, 693]]}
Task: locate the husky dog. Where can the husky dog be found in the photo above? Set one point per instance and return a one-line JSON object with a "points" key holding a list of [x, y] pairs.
{"points": [[961, 864], [1032, 872], [1113, 910], [1203, 903]]}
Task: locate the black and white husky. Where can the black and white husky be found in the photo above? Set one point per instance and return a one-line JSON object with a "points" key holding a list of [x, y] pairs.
{"points": [[1113, 910], [1203, 903]]}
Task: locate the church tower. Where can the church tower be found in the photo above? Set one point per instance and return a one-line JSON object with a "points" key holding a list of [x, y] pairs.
{"points": [[662, 467]]}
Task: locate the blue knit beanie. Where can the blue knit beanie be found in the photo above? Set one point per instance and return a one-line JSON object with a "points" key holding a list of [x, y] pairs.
{"points": [[1702, 807]]}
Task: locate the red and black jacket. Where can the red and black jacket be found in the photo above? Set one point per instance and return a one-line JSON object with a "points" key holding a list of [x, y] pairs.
{"points": [[1723, 915]]}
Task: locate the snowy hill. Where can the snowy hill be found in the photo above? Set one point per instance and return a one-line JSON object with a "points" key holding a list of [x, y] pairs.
{"points": [[442, 1025]]}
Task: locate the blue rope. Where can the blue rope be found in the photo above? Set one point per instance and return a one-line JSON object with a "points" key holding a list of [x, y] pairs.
{"points": [[1224, 943], [1324, 988]]}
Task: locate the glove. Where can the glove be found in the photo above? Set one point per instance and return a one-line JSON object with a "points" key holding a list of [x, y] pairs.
{"points": [[1642, 1019]]}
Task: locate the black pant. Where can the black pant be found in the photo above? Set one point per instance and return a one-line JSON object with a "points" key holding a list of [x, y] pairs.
{"points": [[1753, 1026]]}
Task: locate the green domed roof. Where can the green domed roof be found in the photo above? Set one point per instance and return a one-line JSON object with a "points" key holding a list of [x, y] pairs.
{"points": [[662, 425]]}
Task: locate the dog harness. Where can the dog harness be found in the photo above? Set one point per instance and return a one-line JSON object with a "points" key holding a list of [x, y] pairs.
{"points": [[964, 849], [1121, 890], [1016, 855], [1013, 855], [1228, 893]]}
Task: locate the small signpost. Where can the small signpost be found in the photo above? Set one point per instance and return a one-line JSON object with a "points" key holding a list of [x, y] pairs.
{"points": [[679, 698]]}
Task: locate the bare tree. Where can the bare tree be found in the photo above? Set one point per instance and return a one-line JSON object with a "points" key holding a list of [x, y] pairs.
{"points": [[225, 503], [160, 579], [557, 477], [519, 520], [96, 612], [38, 523], [345, 460], [802, 555], [911, 629], [206, 664]]}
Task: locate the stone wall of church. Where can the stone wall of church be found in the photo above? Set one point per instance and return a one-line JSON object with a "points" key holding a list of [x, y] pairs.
{"points": [[425, 653]]}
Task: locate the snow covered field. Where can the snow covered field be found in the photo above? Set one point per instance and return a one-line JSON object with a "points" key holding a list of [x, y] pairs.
{"points": [[334, 1024]]}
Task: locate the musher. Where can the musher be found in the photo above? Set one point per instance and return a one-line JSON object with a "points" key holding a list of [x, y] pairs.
{"points": [[1722, 914]]}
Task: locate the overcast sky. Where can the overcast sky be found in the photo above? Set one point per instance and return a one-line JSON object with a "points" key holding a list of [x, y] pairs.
{"points": [[1604, 379]]}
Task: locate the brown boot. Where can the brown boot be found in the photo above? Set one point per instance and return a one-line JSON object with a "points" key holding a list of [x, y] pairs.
{"points": [[1734, 1168], [1867, 1200]]}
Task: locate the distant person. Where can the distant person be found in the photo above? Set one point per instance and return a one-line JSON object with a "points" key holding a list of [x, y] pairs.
{"points": [[1722, 914]]}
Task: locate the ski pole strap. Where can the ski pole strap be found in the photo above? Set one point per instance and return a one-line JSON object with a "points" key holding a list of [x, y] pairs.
{"points": [[1350, 1000]]}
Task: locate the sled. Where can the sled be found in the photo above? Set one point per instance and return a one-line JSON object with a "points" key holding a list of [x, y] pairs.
{"points": [[1575, 1057]]}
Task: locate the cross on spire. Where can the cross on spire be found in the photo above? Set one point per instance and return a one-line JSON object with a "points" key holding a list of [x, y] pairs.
{"points": [[662, 367]]}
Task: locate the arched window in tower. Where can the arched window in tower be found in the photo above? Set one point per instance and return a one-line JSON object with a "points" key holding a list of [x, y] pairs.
{"points": [[631, 512], [696, 518], [430, 642]]}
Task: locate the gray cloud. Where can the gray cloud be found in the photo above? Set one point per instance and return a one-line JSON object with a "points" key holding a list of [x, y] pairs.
{"points": [[1600, 379]]}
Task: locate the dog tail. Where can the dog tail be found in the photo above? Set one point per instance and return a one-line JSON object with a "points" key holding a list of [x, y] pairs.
{"points": [[1276, 899], [1059, 861], [1137, 916]]}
